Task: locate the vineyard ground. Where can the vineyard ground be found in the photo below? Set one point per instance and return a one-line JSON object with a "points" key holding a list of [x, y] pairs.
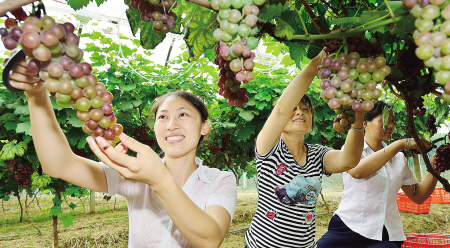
{"points": [[108, 227]]}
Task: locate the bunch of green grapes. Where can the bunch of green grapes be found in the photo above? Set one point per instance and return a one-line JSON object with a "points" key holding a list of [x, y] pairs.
{"points": [[236, 41], [52, 49], [349, 84], [431, 37]]}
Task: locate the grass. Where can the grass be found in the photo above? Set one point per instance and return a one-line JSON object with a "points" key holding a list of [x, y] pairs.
{"points": [[109, 228]]}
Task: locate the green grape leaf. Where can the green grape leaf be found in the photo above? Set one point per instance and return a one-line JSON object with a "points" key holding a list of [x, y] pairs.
{"points": [[283, 29], [56, 210], [72, 205], [24, 128], [22, 110], [10, 125], [247, 115], [128, 87], [287, 60], [150, 39], [10, 150], [270, 11], [297, 52], [56, 200], [40, 181], [99, 2], [1, 175], [210, 54], [201, 28], [72, 118], [3, 164], [67, 220], [125, 105], [133, 19], [78, 4], [404, 27]]}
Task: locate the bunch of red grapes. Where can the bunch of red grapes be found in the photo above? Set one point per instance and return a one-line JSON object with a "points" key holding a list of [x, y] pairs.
{"points": [[23, 175], [419, 107], [159, 12], [349, 84], [234, 54], [442, 159], [431, 37], [52, 49]]}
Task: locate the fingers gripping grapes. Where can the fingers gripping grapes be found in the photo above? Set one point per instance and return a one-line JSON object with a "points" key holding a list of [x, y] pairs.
{"points": [[146, 167]]}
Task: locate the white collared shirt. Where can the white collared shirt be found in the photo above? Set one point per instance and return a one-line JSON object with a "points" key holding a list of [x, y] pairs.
{"points": [[150, 225], [369, 203]]}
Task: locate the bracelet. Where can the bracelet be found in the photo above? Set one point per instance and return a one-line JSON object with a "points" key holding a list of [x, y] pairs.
{"points": [[357, 129]]}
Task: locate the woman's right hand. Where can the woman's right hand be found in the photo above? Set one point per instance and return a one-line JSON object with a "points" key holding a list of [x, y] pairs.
{"points": [[22, 78], [410, 144]]}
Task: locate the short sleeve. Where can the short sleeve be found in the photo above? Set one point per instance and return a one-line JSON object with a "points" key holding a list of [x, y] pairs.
{"points": [[322, 151], [269, 153], [116, 184], [225, 194], [408, 176]]}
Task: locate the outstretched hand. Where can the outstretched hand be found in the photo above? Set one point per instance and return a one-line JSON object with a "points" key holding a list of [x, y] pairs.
{"points": [[24, 79], [410, 144], [146, 167], [316, 61]]}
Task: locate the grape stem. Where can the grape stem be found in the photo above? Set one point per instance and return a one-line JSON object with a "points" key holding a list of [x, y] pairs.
{"points": [[322, 29], [389, 8], [10, 5], [301, 19]]}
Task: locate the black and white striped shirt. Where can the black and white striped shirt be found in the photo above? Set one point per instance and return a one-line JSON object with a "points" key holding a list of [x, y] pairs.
{"points": [[280, 220]]}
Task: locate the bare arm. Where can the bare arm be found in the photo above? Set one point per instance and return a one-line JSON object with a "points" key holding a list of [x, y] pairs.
{"points": [[338, 161], [52, 147], [10, 5], [372, 163], [282, 111], [201, 228], [420, 193]]}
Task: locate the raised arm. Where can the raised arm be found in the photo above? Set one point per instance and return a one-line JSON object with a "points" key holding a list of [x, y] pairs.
{"points": [[338, 161], [282, 111], [56, 156], [372, 163]]}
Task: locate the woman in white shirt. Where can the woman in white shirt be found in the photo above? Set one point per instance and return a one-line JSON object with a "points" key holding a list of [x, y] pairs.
{"points": [[368, 214], [173, 202]]}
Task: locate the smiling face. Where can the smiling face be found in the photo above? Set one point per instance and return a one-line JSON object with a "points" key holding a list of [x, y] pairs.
{"points": [[374, 128], [301, 119], [178, 127]]}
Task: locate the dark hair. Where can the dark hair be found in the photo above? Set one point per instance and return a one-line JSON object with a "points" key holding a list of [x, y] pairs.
{"points": [[305, 99], [192, 99], [376, 111]]}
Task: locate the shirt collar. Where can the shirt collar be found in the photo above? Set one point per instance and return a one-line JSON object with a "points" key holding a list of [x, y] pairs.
{"points": [[200, 170], [367, 147]]}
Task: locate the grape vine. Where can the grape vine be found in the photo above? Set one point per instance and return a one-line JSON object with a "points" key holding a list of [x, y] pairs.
{"points": [[52, 49]]}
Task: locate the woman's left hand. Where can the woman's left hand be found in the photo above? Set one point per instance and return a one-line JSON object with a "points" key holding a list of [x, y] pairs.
{"points": [[146, 167]]}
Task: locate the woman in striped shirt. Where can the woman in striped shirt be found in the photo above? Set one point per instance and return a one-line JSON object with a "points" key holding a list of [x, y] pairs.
{"points": [[290, 171]]}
